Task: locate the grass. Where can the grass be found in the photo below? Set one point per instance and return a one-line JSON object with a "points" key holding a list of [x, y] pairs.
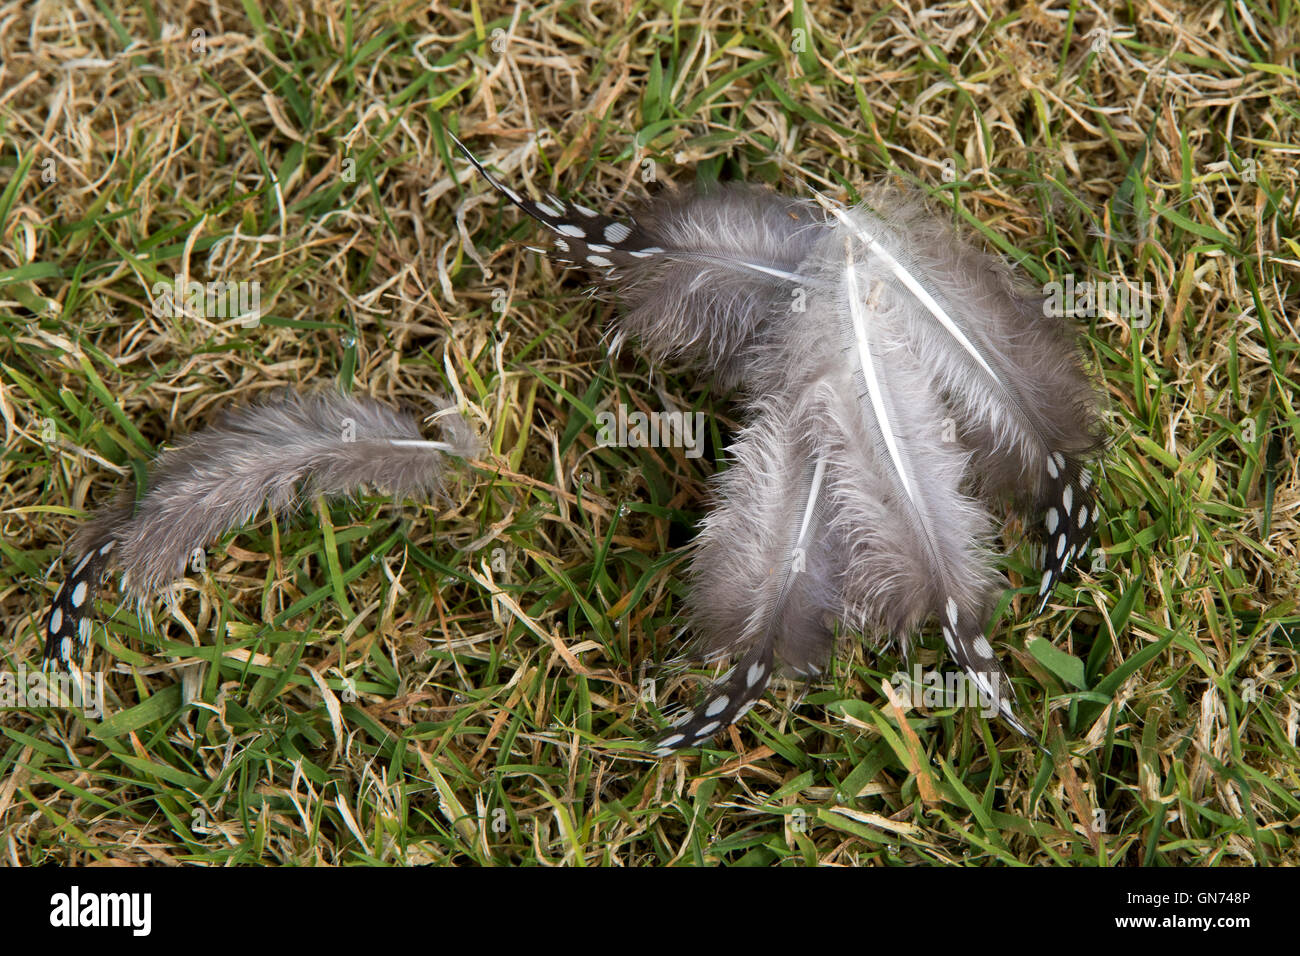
{"points": [[461, 683]]}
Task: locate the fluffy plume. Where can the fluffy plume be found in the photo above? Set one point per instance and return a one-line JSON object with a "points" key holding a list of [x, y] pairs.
{"points": [[901, 367], [701, 274], [276, 453], [764, 578], [1011, 375]]}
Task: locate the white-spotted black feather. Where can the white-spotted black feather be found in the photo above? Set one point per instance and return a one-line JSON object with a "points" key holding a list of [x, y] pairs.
{"points": [[928, 385], [297, 445]]}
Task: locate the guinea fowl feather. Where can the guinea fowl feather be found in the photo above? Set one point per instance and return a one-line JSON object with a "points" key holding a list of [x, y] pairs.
{"points": [[762, 574], [1011, 373], [903, 368], [295, 446], [700, 274]]}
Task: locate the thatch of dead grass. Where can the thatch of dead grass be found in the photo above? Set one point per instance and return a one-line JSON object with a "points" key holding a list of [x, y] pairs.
{"points": [[461, 683]]}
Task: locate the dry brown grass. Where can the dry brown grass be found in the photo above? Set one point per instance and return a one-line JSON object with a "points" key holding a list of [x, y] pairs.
{"points": [[130, 155]]}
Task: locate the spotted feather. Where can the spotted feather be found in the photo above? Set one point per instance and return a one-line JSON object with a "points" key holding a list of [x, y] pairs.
{"points": [[704, 274], [312, 442], [769, 529], [580, 235], [68, 622], [1070, 518]]}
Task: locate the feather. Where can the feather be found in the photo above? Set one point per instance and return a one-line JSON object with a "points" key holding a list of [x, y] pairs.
{"points": [[915, 540], [1011, 372], [763, 576], [294, 446], [929, 387], [701, 274]]}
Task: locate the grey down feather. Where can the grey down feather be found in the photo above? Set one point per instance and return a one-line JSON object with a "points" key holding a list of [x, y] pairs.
{"points": [[215, 480], [899, 383]]}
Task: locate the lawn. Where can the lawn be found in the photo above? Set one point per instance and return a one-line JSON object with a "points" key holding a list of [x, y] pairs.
{"points": [[464, 681]]}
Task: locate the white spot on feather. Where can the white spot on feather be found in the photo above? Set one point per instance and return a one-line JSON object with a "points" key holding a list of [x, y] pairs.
{"points": [[600, 261], [616, 232], [569, 229], [717, 706], [79, 594], [950, 640]]}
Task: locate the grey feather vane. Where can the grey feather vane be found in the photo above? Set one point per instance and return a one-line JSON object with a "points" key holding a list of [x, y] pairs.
{"points": [[763, 577], [701, 274], [276, 453], [899, 384]]}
